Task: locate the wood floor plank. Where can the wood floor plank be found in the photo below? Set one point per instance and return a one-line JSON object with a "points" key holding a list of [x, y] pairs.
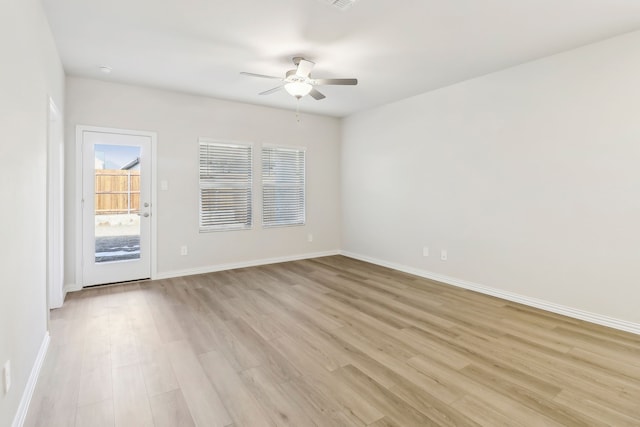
{"points": [[270, 359], [606, 347], [55, 399], [235, 351], [215, 304], [274, 400], [389, 404], [440, 412], [434, 350], [562, 414], [95, 386], [156, 367], [587, 358], [124, 349], [327, 350], [130, 404], [384, 422], [203, 401], [170, 410], [483, 414], [307, 312], [320, 409], [99, 414], [328, 388], [194, 324], [402, 372], [167, 322], [96, 382], [589, 406], [241, 405], [554, 371], [501, 400]]}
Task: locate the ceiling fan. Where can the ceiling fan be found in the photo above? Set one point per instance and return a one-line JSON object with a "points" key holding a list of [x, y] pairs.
{"points": [[299, 83]]}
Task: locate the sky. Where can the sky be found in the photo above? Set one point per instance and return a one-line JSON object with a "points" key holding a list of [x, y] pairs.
{"points": [[115, 156]]}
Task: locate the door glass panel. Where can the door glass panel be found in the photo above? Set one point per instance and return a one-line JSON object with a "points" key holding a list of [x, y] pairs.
{"points": [[117, 203]]}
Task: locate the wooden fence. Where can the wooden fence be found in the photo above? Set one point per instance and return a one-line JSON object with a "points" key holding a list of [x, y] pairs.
{"points": [[117, 191]]}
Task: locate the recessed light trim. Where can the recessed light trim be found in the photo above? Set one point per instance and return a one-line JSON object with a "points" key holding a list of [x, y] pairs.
{"points": [[105, 69]]}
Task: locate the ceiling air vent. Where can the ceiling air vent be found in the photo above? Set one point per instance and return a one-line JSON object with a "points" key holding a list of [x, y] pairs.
{"points": [[341, 4]]}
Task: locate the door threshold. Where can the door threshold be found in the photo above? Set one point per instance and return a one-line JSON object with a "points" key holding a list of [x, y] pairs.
{"points": [[100, 285]]}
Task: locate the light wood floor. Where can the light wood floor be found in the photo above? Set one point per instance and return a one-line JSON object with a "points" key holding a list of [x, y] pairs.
{"points": [[327, 342]]}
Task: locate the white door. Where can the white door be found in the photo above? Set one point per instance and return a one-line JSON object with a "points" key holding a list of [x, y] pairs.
{"points": [[116, 206]]}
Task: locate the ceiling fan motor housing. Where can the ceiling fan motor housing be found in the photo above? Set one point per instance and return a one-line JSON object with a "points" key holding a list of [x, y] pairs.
{"points": [[291, 76]]}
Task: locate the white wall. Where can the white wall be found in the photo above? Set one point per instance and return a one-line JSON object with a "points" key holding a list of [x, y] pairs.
{"points": [[179, 120], [529, 177], [29, 74]]}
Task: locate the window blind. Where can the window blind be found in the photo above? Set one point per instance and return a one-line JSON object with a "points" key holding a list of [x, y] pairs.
{"points": [[283, 186], [225, 186]]}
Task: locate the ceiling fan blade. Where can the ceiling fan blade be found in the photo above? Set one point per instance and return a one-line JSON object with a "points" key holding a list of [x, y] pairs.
{"points": [[260, 75], [315, 94], [304, 68], [270, 91], [350, 82]]}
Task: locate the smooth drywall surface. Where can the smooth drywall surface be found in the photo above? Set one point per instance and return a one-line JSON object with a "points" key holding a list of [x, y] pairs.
{"points": [[528, 177], [29, 74], [179, 121]]}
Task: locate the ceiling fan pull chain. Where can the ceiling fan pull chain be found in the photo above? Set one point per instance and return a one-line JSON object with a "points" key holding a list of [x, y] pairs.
{"points": [[298, 110]]}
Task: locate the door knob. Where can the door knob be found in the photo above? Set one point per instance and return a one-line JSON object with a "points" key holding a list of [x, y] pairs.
{"points": [[146, 214], [146, 205]]}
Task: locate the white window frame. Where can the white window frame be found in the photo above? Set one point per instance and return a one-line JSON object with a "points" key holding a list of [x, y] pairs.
{"points": [[266, 223], [221, 184]]}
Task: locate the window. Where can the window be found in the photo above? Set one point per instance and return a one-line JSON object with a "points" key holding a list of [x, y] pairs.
{"points": [[225, 185], [283, 192]]}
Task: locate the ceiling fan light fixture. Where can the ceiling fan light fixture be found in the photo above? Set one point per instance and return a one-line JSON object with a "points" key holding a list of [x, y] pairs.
{"points": [[298, 89]]}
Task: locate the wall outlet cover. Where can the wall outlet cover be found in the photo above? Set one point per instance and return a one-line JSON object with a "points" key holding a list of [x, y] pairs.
{"points": [[6, 373]]}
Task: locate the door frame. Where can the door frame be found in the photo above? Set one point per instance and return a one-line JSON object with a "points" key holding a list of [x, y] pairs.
{"points": [[55, 207], [80, 129]]}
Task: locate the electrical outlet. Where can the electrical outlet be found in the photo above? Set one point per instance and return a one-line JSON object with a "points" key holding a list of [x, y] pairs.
{"points": [[443, 255], [425, 251], [183, 250], [7, 376], [309, 237], [164, 185]]}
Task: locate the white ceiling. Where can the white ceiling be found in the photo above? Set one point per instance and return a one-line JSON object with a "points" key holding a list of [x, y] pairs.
{"points": [[395, 48]]}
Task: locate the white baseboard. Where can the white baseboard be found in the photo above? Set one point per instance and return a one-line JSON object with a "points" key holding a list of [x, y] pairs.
{"points": [[242, 264], [575, 313], [71, 287], [21, 415]]}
